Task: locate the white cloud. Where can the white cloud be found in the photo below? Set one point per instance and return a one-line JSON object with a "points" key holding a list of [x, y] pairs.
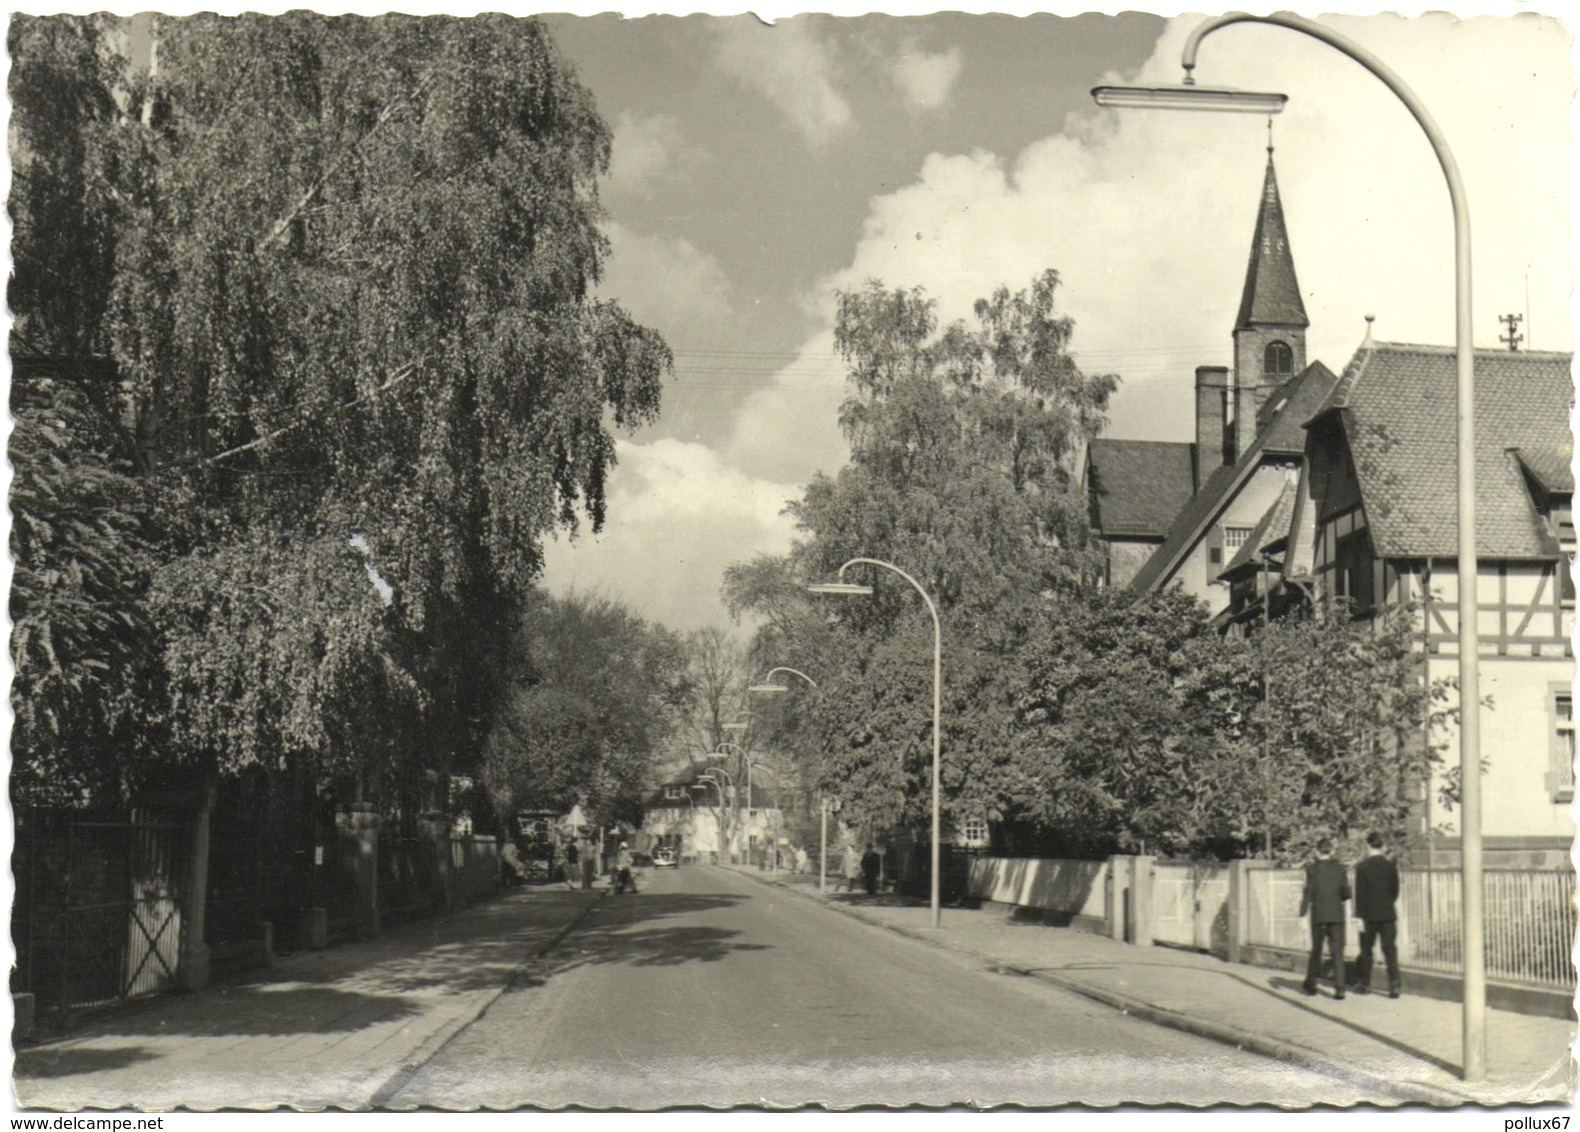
{"points": [[923, 80], [649, 154], [667, 283], [1148, 215], [678, 515], [791, 66]]}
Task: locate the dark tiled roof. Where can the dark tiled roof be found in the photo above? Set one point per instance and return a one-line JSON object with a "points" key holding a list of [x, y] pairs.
{"points": [[1310, 388], [1398, 413], [1138, 486], [1549, 467], [1290, 406], [1272, 293], [1270, 530]]}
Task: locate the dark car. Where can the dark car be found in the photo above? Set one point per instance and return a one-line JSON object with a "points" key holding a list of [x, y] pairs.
{"points": [[665, 859]]}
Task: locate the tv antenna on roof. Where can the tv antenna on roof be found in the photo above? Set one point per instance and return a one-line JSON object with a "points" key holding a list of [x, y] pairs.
{"points": [[1513, 338]]}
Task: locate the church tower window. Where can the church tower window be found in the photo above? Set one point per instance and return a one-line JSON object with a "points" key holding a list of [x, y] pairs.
{"points": [[1278, 360]]}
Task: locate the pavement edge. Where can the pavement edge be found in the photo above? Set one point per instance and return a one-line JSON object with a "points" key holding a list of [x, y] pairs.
{"points": [[444, 1035], [1272, 1048]]}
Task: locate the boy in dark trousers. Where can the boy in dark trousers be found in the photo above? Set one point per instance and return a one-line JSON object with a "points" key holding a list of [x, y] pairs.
{"points": [[1327, 888], [1376, 895]]}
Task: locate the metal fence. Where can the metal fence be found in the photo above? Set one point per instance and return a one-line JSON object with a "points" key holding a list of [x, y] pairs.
{"points": [[1529, 919], [97, 917]]}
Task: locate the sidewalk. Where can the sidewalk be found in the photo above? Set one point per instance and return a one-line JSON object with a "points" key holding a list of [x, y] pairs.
{"points": [[320, 1029], [1409, 1048]]}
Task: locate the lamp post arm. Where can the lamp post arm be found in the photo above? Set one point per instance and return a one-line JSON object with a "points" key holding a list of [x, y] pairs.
{"points": [[1474, 993], [793, 672]]}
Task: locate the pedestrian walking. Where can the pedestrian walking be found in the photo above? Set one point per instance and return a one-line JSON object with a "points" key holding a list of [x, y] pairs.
{"points": [[1376, 899], [512, 868], [852, 868], [572, 865], [871, 863], [1327, 888], [802, 864]]}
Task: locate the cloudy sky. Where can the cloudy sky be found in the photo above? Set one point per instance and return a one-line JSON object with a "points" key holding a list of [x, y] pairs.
{"points": [[760, 168]]}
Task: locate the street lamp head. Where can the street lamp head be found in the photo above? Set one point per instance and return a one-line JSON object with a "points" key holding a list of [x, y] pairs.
{"points": [[846, 589], [734, 726], [768, 689], [1190, 97]]}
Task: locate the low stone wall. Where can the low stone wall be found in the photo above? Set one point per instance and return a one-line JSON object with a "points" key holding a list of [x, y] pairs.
{"points": [[1066, 893]]}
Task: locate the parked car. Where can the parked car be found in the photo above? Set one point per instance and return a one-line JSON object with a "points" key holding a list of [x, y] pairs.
{"points": [[665, 859]]}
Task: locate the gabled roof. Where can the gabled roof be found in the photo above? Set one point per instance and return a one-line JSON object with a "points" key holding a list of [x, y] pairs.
{"points": [[1137, 487], [1272, 293], [1310, 388], [763, 795], [1270, 531], [1282, 423], [1396, 406]]}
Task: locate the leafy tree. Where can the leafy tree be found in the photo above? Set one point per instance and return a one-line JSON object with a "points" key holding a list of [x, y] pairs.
{"points": [[80, 638], [594, 696], [964, 442], [344, 270]]}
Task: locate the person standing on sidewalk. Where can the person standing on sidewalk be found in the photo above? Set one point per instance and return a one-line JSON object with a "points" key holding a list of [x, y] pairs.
{"points": [[852, 868], [871, 863], [1327, 888], [1376, 897]]}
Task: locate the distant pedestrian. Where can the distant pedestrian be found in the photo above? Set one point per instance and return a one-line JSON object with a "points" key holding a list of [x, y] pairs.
{"points": [[871, 863], [512, 868], [802, 864], [852, 868], [1327, 888], [1376, 897], [589, 862], [572, 865]]}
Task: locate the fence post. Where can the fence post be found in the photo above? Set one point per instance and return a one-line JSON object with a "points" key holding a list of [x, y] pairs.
{"points": [[1141, 900], [1238, 897], [194, 973], [358, 824], [435, 832], [1119, 872]]}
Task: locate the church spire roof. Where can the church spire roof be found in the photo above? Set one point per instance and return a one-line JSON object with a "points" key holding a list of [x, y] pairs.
{"points": [[1272, 293]]}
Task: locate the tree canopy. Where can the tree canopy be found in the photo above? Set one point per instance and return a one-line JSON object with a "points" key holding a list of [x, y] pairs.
{"points": [[343, 271]]}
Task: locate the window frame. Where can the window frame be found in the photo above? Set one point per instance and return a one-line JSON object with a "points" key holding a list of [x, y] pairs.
{"points": [[1561, 742]]}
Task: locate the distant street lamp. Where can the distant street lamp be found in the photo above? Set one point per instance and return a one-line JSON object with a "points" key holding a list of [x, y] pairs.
{"points": [[1190, 96], [849, 589], [723, 805], [769, 688]]}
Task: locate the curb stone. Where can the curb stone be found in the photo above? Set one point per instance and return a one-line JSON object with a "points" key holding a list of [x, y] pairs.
{"points": [[447, 1033], [1261, 1044]]}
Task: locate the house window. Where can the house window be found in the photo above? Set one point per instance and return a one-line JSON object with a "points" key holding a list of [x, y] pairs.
{"points": [[974, 831], [1354, 574], [1278, 360], [1561, 778], [1233, 539]]}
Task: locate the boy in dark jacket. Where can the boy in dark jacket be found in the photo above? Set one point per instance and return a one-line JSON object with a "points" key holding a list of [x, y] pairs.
{"points": [[1376, 894], [1327, 888]]}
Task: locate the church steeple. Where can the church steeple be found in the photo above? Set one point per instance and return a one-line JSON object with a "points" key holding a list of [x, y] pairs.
{"points": [[1272, 293], [1270, 330]]}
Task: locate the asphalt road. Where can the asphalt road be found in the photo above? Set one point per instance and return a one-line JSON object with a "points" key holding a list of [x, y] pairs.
{"points": [[708, 988]]}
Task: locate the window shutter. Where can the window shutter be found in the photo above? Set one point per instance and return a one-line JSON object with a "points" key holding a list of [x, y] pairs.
{"points": [[1214, 554]]}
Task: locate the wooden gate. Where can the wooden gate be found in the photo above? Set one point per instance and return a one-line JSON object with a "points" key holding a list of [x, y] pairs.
{"points": [[98, 912], [1190, 902]]}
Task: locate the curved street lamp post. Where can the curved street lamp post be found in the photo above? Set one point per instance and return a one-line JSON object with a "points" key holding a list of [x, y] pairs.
{"points": [[1190, 96], [850, 589]]}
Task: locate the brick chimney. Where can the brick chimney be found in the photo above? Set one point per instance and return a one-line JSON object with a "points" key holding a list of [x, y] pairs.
{"points": [[1214, 442]]}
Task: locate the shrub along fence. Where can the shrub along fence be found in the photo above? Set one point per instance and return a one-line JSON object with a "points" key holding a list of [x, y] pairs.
{"points": [[1249, 911]]}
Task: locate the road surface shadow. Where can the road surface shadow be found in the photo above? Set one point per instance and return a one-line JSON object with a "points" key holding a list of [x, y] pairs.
{"points": [[620, 932], [47, 1062]]}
